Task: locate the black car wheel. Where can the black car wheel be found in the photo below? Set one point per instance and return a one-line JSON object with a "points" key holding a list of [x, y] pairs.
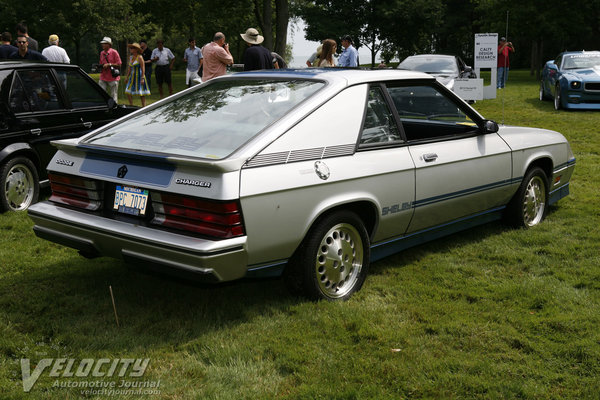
{"points": [[557, 98], [20, 184], [332, 261], [530, 204]]}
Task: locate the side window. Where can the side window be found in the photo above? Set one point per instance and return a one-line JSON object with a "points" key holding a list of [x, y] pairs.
{"points": [[40, 89], [558, 61], [427, 113], [79, 90], [379, 126]]}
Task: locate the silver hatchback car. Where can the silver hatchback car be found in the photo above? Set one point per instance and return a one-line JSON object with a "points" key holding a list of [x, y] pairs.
{"points": [[309, 174]]}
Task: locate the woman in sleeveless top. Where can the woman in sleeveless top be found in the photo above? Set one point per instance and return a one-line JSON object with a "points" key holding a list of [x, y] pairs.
{"points": [[327, 52], [136, 81]]}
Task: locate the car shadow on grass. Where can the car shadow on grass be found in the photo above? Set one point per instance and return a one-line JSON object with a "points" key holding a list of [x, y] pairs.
{"points": [[446, 244], [70, 302]]}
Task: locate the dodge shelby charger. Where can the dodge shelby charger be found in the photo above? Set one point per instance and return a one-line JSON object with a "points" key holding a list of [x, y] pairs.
{"points": [[309, 174]]}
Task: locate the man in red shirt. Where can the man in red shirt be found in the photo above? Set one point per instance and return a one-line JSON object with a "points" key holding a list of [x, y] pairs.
{"points": [[504, 48], [109, 57], [216, 57]]}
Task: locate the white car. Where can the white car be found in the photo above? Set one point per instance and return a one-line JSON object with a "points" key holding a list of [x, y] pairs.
{"points": [[311, 174]]}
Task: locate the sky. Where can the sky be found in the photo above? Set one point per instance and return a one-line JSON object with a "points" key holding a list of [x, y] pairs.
{"points": [[302, 48]]}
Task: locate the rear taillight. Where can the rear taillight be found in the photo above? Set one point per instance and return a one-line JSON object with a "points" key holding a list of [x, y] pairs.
{"points": [[75, 192], [217, 219]]}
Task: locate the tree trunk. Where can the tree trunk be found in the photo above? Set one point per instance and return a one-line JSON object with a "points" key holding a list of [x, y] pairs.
{"points": [[540, 59], [264, 18], [282, 10], [267, 30], [534, 55]]}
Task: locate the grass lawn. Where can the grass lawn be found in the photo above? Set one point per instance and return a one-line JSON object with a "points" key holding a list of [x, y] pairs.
{"points": [[492, 313]]}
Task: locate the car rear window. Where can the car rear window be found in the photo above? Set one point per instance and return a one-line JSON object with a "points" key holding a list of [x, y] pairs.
{"points": [[211, 122]]}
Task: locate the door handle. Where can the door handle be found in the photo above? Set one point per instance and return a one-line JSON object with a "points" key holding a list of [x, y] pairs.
{"points": [[36, 131], [87, 124], [429, 157]]}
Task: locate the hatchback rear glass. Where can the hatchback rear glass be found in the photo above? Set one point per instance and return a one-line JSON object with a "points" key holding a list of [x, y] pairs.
{"points": [[211, 122]]}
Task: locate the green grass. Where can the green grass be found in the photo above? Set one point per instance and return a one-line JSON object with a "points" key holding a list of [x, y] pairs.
{"points": [[492, 313]]}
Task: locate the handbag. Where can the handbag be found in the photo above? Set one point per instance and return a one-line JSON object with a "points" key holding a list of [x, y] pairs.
{"points": [[114, 71]]}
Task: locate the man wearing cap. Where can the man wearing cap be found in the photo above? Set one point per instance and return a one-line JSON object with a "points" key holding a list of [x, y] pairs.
{"points": [[216, 57], [504, 48], [255, 56], [54, 53], [23, 52], [349, 56], [109, 57], [164, 59], [193, 58], [312, 60]]}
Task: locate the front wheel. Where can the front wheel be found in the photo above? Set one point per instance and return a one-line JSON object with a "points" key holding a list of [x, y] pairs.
{"points": [[530, 204], [19, 184], [542, 92], [333, 260], [557, 98]]}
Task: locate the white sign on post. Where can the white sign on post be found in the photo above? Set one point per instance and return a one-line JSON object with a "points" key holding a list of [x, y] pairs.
{"points": [[469, 89], [486, 56]]}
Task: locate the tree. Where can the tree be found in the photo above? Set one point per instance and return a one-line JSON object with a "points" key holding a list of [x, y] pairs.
{"points": [[406, 25], [275, 39]]}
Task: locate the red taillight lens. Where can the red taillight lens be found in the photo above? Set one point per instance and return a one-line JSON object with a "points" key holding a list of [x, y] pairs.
{"points": [[76, 192], [217, 219]]}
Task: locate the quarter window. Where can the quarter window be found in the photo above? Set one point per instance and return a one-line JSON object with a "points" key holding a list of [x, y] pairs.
{"points": [[379, 126], [426, 113], [79, 90]]}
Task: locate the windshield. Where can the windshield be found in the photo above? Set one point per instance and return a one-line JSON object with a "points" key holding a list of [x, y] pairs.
{"points": [[575, 61], [211, 122], [430, 65]]}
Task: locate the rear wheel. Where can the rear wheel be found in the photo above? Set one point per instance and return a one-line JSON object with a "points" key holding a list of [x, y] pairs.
{"points": [[332, 261], [19, 184], [557, 98], [530, 204]]}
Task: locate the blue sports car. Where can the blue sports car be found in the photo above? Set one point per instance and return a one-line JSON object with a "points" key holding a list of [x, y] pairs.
{"points": [[573, 80]]}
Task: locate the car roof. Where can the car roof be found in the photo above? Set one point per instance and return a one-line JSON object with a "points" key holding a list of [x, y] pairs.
{"points": [[4, 64], [566, 53], [430, 56], [349, 76]]}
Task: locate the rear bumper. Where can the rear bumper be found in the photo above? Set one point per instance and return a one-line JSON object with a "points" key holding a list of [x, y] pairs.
{"points": [[222, 260]]}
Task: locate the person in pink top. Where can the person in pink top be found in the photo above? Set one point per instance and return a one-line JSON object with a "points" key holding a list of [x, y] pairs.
{"points": [[216, 57], [109, 57]]}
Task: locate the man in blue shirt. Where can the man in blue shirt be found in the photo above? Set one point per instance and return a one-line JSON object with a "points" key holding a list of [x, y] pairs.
{"points": [[23, 53], [349, 57], [6, 49], [193, 58]]}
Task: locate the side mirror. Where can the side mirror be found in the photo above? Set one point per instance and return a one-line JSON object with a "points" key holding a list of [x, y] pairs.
{"points": [[552, 66], [112, 103], [490, 126], [468, 69]]}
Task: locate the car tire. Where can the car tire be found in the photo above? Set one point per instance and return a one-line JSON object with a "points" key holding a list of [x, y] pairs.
{"points": [[529, 205], [557, 98], [19, 184], [543, 95], [332, 261]]}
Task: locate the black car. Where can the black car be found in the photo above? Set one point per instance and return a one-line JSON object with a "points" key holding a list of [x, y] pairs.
{"points": [[40, 102]]}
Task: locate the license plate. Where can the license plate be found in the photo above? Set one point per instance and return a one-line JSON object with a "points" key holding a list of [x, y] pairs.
{"points": [[130, 200]]}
